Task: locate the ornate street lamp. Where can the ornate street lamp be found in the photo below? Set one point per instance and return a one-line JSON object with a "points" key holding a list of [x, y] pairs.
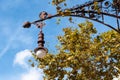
{"points": [[40, 51]]}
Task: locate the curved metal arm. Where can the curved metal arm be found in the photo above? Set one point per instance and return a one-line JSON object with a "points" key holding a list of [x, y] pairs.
{"points": [[81, 17], [84, 11], [98, 22]]}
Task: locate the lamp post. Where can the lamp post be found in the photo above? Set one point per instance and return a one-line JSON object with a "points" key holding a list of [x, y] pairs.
{"points": [[40, 51]]}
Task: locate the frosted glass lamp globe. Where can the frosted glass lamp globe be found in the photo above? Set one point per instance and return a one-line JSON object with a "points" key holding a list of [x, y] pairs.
{"points": [[41, 53]]}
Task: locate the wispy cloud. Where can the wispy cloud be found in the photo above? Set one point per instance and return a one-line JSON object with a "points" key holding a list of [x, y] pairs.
{"points": [[13, 36], [5, 5], [10, 41]]}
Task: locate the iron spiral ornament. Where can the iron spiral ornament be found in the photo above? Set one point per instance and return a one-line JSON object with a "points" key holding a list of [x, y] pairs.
{"points": [[96, 10]]}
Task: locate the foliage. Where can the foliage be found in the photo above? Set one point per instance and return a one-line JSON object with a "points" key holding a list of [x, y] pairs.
{"points": [[83, 56], [59, 7], [57, 2]]}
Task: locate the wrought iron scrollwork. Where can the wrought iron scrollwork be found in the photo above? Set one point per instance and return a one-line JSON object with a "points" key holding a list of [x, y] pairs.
{"points": [[96, 10]]}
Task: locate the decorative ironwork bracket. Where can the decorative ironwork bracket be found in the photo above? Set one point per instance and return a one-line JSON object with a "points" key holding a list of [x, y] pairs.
{"points": [[96, 10]]}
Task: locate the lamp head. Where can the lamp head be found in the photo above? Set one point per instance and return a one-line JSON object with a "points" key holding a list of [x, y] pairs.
{"points": [[41, 52]]}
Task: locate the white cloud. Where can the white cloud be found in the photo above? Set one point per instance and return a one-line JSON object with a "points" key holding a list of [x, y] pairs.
{"points": [[32, 73], [21, 57]]}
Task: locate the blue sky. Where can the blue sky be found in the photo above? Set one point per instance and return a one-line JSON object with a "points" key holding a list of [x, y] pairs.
{"points": [[15, 41]]}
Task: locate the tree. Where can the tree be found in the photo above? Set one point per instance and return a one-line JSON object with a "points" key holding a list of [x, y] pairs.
{"points": [[83, 56]]}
